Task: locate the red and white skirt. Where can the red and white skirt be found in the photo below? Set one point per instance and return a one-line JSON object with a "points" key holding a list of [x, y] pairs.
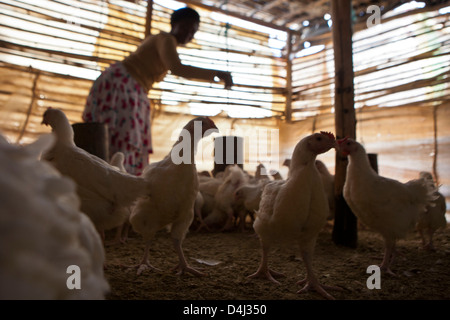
{"points": [[118, 100]]}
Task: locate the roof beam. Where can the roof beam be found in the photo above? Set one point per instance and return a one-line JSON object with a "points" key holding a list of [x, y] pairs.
{"points": [[269, 5], [236, 15]]}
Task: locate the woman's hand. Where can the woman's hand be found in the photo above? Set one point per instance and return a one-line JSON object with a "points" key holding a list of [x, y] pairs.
{"points": [[225, 77]]}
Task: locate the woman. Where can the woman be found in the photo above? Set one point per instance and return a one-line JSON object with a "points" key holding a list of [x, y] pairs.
{"points": [[119, 95]]}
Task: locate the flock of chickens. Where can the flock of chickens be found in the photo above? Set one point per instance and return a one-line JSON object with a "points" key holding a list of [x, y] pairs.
{"points": [[64, 199]]}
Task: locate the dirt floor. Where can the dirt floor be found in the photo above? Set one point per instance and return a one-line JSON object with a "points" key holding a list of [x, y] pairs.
{"points": [[230, 257]]}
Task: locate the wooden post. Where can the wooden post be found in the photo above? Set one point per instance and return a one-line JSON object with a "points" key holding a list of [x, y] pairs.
{"points": [[148, 18], [435, 145], [345, 223], [93, 137], [289, 78]]}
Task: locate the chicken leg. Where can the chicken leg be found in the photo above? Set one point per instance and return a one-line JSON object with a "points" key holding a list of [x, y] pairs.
{"points": [[183, 266], [427, 245], [145, 264], [311, 280], [263, 270], [388, 258]]}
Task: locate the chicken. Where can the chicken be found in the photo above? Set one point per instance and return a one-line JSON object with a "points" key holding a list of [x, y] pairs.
{"points": [[103, 190], [433, 218], [171, 198], [295, 209], [328, 184], [276, 175], [117, 160], [207, 188], [384, 205], [247, 199], [261, 172], [44, 233], [204, 173], [198, 205], [222, 215]]}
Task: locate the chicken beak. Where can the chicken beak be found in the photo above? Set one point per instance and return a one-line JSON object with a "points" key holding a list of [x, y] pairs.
{"points": [[336, 145], [339, 142]]}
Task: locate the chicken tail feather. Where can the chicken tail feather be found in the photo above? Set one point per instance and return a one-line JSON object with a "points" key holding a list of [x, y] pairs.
{"points": [[424, 192]]}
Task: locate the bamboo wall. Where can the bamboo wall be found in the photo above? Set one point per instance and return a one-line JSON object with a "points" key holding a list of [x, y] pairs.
{"points": [[402, 89], [51, 51]]}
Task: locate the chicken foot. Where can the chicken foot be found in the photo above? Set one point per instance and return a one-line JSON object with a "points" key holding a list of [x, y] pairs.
{"points": [[311, 281], [121, 235], [228, 223], [183, 266], [427, 245], [264, 271], [389, 255], [145, 263], [202, 225]]}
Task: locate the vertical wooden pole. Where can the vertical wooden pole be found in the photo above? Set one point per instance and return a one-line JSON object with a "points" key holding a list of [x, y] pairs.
{"points": [[435, 145], [31, 105], [289, 78], [148, 18], [345, 223]]}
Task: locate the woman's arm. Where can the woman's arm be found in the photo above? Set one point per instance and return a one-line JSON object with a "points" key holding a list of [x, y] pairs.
{"points": [[169, 56]]}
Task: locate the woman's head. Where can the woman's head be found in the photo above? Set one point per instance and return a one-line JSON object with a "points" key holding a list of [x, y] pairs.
{"points": [[184, 22]]}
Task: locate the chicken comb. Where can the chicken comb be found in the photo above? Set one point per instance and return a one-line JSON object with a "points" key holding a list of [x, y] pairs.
{"points": [[328, 134], [341, 141]]}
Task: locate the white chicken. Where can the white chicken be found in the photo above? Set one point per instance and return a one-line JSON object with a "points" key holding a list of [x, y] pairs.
{"points": [[295, 209], [223, 214], [261, 172], [103, 190], [276, 174], [117, 160], [247, 199], [174, 188], [328, 184], [433, 218], [198, 206], [207, 188], [385, 205], [44, 233]]}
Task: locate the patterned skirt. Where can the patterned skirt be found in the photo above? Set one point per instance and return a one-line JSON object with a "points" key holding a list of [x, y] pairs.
{"points": [[118, 100]]}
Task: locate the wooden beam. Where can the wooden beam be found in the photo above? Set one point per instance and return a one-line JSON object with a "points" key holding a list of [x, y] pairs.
{"points": [[268, 5], [148, 18], [289, 77], [236, 15], [345, 223], [435, 144]]}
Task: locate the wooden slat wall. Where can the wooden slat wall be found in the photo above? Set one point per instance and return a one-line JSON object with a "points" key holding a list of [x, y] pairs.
{"points": [[88, 35], [258, 75], [402, 89], [401, 62]]}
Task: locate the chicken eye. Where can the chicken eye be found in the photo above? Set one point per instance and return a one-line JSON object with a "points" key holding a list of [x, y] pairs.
{"points": [[319, 138]]}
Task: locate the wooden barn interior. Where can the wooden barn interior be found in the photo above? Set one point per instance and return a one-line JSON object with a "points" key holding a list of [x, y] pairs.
{"points": [[298, 66]]}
